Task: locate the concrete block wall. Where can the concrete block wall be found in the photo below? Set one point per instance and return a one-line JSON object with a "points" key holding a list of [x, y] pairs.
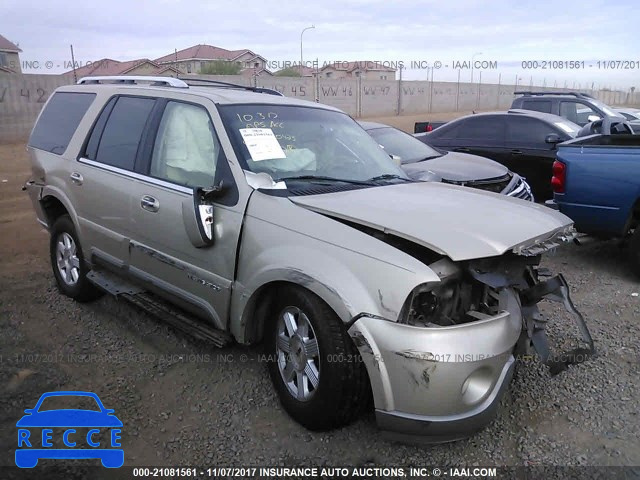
{"points": [[22, 96]]}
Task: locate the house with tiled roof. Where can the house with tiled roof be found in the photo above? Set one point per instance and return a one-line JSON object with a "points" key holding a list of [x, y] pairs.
{"points": [[364, 69], [194, 59], [108, 66], [9, 56]]}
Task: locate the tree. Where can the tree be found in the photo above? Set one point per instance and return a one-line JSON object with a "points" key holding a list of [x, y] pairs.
{"points": [[288, 72], [221, 67]]}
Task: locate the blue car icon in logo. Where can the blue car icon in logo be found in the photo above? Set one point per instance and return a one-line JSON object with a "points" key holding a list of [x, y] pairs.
{"points": [[42, 432]]}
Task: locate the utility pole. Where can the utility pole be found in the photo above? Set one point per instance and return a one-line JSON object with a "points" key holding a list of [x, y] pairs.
{"points": [[472, 57], [301, 33], [73, 61]]}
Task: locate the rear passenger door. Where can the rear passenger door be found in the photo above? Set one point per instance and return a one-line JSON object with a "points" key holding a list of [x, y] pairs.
{"points": [[185, 153], [530, 155], [102, 179]]}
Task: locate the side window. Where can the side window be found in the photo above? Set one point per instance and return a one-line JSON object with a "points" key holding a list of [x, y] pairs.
{"points": [[577, 112], [483, 127], [118, 145], [527, 130], [186, 149], [537, 105], [448, 131], [59, 121], [94, 139]]}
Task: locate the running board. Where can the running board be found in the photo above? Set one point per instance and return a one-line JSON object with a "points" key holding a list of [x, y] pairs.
{"points": [[174, 316]]}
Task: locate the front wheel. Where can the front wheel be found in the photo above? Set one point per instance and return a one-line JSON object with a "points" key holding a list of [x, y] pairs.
{"points": [[313, 363], [68, 263]]}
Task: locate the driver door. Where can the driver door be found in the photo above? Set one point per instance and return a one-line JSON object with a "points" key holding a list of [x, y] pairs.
{"points": [[186, 154]]}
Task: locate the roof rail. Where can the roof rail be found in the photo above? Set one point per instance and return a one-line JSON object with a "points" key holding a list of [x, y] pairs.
{"points": [[217, 83], [573, 94], [134, 80]]}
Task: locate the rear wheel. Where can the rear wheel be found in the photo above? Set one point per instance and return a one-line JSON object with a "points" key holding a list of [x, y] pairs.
{"points": [[313, 363], [67, 261]]}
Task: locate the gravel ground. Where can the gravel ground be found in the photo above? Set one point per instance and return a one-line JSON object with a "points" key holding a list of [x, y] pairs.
{"points": [[186, 403]]}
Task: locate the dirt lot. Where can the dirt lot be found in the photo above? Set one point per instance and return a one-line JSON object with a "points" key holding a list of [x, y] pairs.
{"points": [[185, 403]]}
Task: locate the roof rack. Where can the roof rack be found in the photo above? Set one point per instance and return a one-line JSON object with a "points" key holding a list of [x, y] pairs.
{"points": [[134, 80], [170, 82], [217, 83], [573, 94]]}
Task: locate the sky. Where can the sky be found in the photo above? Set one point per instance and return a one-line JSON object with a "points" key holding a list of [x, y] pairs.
{"points": [[503, 33]]}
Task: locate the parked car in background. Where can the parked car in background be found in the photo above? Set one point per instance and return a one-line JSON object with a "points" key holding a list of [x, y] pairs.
{"points": [[631, 114], [596, 182], [521, 140], [425, 163], [579, 108], [243, 216]]}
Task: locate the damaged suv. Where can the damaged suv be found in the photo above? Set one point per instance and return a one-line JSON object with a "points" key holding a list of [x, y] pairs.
{"points": [[238, 215]]}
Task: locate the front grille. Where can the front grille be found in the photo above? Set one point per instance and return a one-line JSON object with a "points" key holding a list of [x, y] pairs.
{"points": [[521, 190], [496, 185]]}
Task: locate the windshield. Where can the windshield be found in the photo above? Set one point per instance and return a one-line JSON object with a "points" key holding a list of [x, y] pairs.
{"points": [[568, 127], [630, 115], [292, 141], [403, 145]]}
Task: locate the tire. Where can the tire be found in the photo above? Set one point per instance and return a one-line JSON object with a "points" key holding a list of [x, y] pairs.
{"points": [[336, 388], [67, 261], [634, 251]]}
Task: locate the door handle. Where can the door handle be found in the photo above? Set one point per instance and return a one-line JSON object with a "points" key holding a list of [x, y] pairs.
{"points": [[516, 152], [149, 203], [461, 149], [76, 178]]}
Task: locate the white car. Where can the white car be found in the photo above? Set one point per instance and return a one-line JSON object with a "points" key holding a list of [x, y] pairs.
{"points": [[630, 114]]}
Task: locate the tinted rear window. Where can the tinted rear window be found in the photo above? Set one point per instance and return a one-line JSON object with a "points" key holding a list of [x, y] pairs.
{"points": [[536, 105], [121, 135], [59, 121], [482, 127]]}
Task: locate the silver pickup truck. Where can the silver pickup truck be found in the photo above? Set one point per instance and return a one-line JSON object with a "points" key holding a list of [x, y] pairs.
{"points": [[239, 215]]}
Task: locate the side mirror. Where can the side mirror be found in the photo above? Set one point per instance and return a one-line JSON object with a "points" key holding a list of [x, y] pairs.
{"points": [[197, 215], [552, 138], [396, 159], [29, 411], [593, 118]]}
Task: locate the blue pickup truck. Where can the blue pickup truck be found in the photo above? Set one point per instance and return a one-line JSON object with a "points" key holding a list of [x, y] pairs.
{"points": [[596, 182]]}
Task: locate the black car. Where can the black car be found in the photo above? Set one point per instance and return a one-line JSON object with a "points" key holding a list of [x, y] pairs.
{"points": [[424, 163], [524, 141]]}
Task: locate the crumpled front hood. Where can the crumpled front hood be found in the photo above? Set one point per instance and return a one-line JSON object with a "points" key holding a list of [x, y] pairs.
{"points": [[460, 222], [457, 167]]}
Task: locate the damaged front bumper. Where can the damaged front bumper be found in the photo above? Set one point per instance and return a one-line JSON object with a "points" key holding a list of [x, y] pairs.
{"points": [[438, 384]]}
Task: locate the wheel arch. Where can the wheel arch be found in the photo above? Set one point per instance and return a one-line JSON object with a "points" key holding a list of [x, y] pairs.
{"points": [[55, 204], [250, 328], [634, 216]]}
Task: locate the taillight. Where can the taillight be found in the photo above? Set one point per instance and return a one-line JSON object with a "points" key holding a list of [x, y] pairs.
{"points": [[429, 128], [559, 176]]}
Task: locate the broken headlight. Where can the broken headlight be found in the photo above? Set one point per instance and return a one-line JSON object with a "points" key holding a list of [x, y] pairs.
{"points": [[458, 298], [454, 303]]}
